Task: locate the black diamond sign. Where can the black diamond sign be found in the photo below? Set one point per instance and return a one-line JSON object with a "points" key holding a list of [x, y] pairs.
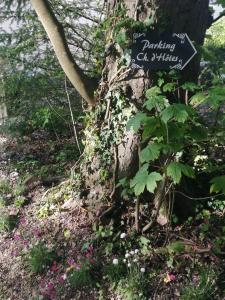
{"points": [[164, 51]]}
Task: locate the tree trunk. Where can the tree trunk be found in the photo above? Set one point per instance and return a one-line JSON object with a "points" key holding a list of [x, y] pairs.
{"points": [[122, 91]]}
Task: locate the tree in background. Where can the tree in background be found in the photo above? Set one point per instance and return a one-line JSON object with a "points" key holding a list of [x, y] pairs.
{"points": [[32, 75]]}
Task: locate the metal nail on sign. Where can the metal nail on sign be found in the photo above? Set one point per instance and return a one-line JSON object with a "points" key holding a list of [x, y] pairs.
{"points": [[163, 51]]}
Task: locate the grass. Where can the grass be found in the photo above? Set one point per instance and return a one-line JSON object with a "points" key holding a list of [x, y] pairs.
{"points": [[205, 287], [40, 257], [8, 222]]}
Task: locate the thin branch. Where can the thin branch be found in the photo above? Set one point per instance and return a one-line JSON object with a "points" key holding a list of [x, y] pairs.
{"points": [[72, 118], [200, 198]]}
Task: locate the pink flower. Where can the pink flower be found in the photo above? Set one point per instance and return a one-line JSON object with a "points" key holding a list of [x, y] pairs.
{"points": [[169, 278], [172, 277], [54, 267], [16, 237], [78, 266], [37, 232], [62, 278], [70, 261], [90, 249], [23, 222], [26, 243]]}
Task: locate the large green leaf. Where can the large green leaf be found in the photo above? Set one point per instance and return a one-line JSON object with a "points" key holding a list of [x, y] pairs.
{"points": [[139, 181], [143, 179], [155, 99], [136, 121], [218, 184], [175, 171], [150, 153], [197, 99], [179, 112], [152, 181]]}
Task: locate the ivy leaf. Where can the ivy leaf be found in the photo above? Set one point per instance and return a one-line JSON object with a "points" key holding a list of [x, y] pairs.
{"points": [[152, 181], [150, 153], [122, 39], [136, 121], [175, 171], [218, 184]]}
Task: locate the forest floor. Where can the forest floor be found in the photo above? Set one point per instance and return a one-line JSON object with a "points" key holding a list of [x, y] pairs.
{"points": [[49, 248]]}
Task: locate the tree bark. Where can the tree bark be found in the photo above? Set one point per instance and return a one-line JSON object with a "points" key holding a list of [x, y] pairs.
{"points": [[181, 16], [55, 32]]}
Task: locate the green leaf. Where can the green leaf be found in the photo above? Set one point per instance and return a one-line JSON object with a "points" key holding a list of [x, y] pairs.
{"points": [[136, 121], [143, 179], [190, 86], [152, 181], [152, 92], [150, 153], [149, 127], [197, 99], [175, 171], [187, 171], [169, 87], [218, 184], [160, 82], [179, 112], [122, 39], [139, 181], [155, 99]]}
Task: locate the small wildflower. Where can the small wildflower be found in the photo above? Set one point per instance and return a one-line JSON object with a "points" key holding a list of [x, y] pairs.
{"points": [[123, 235], [129, 265], [115, 261], [127, 255], [132, 252], [124, 260], [71, 261], [169, 278], [135, 260], [142, 270], [136, 251]]}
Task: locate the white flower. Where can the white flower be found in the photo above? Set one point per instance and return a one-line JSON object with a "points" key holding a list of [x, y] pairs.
{"points": [[124, 260], [123, 235], [142, 270], [115, 261], [136, 251], [127, 255], [135, 260], [129, 265], [132, 252], [64, 276]]}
